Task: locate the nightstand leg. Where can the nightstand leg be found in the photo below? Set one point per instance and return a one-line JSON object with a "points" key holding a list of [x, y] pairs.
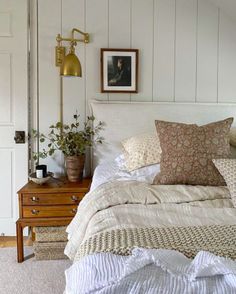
{"points": [[20, 248]]}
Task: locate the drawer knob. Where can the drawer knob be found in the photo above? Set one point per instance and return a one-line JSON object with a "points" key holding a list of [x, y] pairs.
{"points": [[74, 210], [34, 199], [74, 198], [35, 211]]}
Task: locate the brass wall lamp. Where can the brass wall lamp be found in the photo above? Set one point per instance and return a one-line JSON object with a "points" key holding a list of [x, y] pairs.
{"points": [[69, 64]]}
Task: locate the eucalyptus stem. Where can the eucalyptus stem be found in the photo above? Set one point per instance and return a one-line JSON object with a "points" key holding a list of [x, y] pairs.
{"points": [[68, 139]]}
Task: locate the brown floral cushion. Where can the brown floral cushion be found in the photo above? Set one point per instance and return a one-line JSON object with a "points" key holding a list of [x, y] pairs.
{"points": [[188, 150]]}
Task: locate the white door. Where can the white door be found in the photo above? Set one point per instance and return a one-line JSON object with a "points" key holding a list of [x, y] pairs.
{"points": [[13, 108]]}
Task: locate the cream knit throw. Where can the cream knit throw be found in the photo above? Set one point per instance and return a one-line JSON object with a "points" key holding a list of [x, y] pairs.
{"points": [[217, 239]]}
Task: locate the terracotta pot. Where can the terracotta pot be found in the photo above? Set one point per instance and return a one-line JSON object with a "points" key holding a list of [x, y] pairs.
{"points": [[75, 167]]}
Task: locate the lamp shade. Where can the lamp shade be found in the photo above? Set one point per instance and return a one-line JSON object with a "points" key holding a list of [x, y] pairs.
{"points": [[71, 66]]}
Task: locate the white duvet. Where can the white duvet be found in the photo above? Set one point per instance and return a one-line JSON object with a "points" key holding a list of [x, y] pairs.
{"points": [[153, 272]]}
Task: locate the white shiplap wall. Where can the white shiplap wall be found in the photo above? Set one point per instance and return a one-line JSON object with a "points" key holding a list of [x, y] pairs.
{"points": [[187, 51]]}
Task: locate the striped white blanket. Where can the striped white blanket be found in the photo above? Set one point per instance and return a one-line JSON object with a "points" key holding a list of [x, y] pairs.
{"points": [[149, 271]]}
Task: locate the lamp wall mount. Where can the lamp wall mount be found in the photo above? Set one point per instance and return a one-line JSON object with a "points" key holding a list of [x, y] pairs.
{"points": [[60, 51]]}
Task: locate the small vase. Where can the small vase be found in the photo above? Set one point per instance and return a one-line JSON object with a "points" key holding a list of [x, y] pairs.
{"points": [[75, 167]]}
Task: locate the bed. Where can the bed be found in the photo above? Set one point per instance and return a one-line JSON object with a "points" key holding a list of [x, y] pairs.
{"points": [[133, 237]]}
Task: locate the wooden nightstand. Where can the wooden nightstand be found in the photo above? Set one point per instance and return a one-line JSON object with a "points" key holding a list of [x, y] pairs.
{"points": [[52, 204]]}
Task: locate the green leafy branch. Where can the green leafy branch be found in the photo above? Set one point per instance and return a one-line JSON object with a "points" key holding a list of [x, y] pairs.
{"points": [[68, 139]]}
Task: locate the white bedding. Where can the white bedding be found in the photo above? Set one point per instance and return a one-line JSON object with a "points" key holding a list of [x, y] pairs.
{"points": [[153, 272], [110, 171]]}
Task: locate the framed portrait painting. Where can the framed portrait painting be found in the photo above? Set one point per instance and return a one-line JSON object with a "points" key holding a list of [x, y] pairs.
{"points": [[119, 70]]}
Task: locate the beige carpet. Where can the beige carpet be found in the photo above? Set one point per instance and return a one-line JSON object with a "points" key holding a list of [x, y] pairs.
{"points": [[31, 276]]}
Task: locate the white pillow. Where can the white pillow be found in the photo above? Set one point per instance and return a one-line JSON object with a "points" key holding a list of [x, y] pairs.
{"points": [[143, 174], [110, 171], [120, 161]]}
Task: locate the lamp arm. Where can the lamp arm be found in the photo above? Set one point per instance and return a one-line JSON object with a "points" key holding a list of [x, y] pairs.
{"points": [[86, 35], [59, 38], [78, 31]]}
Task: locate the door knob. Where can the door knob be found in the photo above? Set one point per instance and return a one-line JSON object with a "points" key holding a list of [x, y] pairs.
{"points": [[19, 137]]}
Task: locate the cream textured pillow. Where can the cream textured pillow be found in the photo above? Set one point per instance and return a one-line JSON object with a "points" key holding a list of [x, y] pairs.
{"points": [[232, 135], [141, 150], [227, 168]]}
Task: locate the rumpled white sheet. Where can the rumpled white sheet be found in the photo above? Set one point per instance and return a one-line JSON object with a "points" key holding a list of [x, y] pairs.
{"points": [[152, 271], [110, 171]]}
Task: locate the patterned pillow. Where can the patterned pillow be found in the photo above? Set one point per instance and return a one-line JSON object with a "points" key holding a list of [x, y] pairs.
{"points": [[227, 168], [141, 150], [188, 150]]}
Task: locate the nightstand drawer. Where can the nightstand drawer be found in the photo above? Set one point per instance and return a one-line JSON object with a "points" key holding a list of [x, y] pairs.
{"points": [[49, 211], [52, 199]]}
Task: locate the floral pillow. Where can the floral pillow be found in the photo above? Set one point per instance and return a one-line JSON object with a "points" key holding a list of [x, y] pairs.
{"points": [[188, 150]]}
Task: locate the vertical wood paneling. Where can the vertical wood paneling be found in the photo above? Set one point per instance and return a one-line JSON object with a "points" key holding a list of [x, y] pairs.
{"points": [[164, 50], [74, 88], [97, 27], [49, 95], [185, 53], [119, 32], [227, 59], [185, 71], [142, 39], [207, 52]]}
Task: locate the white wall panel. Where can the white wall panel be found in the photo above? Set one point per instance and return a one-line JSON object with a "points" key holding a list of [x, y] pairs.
{"points": [[5, 88], [97, 27], [186, 54], [207, 52], [142, 39], [74, 88], [119, 32], [185, 71], [227, 59], [164, 50], [49, 86]]}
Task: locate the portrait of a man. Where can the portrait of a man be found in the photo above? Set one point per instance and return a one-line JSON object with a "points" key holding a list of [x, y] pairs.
{"points": [[119, 71]]}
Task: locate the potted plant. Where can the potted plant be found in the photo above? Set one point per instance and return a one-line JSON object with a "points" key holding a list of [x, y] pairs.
{"points": [[72, 142]]}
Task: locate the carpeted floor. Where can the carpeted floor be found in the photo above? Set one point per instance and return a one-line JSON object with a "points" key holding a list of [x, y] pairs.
{"points": [[31, 276]]}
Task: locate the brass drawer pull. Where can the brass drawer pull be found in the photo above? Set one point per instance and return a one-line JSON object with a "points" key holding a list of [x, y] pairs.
{"points": [[74, 198], [34, 199], [35, 211], [74, 210]]}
